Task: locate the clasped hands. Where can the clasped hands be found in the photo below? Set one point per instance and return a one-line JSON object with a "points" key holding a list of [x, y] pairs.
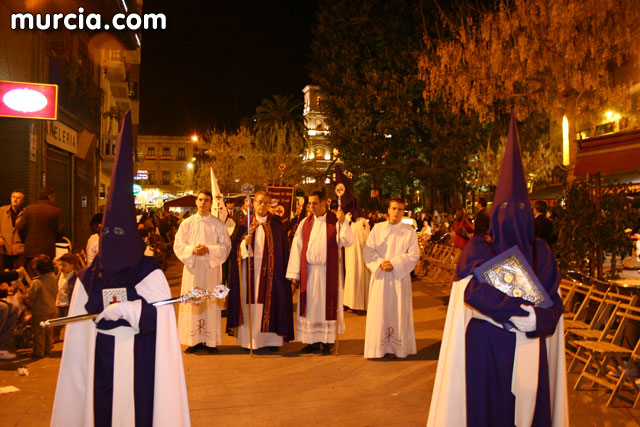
{"points": [[386, 265], [201, 250]]}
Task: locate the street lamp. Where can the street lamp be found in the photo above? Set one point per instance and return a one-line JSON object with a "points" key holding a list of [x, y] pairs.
{"points": [[194, 138]]}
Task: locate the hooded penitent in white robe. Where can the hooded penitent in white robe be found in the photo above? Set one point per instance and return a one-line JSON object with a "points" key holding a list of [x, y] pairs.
{"points": [[449, 397], [356, 273], [390, 312], [314, 327], [201, 323], [74, 401]]}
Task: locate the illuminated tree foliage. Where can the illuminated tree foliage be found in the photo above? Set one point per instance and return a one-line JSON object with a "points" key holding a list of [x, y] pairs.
{"points": [[556, 56], [236, 159]]}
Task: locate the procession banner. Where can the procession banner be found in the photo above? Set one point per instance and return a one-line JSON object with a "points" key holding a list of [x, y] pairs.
{"points": [[282, 200]]}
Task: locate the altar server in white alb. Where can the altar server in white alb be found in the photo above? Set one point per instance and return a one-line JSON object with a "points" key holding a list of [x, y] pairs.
{"points": [[202, 244], [356, 273], [314, 262], [391, 253], [124, 369]]}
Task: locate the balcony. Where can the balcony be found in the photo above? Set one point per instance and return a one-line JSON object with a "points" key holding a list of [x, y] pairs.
{"points": [[150, 157]]}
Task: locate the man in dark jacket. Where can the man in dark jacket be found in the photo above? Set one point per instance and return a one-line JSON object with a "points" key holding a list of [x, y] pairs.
{"points": [[542, 226], [481, 221], [40, 227]]}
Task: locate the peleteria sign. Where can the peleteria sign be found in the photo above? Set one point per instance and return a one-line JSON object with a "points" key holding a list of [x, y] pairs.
{"points": [[28, 100]]}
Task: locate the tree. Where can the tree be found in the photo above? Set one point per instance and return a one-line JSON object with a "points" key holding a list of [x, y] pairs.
{"points": [[363, 59], [583, 227], [236, 159], [556, 56], [279, 125]]}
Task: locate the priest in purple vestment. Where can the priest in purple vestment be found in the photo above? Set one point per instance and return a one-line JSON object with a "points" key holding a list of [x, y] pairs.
{"points": [[504, 334], [264, 254]]}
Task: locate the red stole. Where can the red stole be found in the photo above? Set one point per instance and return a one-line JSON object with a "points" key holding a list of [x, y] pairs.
{"points": [[332, 266]]}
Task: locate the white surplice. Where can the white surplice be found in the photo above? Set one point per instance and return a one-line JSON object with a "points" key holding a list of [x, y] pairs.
{"points": [[356, 273], [260, 339], [74, 401], [201, 323], [314, 327], [390, 312]]}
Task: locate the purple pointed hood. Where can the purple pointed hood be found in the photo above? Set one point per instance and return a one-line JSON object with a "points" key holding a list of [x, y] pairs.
{"points": [[511, 216], [349, 202], [121, 247]]}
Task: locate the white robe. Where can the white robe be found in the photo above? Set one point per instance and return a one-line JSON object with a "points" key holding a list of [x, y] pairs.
{"points": [[314, 327], [356, 275], [260, 339], [201, 323], [73, 404], [390, 313]]}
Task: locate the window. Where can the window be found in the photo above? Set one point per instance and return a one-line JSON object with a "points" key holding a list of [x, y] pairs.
{"points": [[151, 180], [151, 150], [181, 153], [115, 55], [166, 177], [102, 191], [166, 151]]}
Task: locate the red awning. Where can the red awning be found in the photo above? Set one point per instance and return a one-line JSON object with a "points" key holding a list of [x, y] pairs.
{"points": [[608, 153]]}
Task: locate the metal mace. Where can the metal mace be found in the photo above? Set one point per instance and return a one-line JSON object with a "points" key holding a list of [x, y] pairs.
{"points": [[195, 296], [247, 189], [339, 192]]}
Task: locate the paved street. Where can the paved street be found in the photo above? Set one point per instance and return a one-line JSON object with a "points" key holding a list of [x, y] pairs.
{"points": [[289, 389]]}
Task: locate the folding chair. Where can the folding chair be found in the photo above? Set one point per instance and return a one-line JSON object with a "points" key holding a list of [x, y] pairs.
{"points": [[609, 360], [589, 311]]}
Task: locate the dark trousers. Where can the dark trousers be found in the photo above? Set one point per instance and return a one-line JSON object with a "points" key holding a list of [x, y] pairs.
{"points": [[42, 337], [8, 317]]}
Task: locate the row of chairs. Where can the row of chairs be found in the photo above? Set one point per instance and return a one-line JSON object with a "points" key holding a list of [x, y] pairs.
{"points": [[438, 261], [601, 336]]}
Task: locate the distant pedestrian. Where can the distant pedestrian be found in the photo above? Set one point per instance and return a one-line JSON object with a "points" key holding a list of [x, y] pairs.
{"points": [[93, 243], [542, 226], [11, 246], [463, 229], [40, 227], [482, 220]]}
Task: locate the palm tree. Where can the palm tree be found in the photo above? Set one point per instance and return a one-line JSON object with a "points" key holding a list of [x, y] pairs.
{"points": [[279, 125]]}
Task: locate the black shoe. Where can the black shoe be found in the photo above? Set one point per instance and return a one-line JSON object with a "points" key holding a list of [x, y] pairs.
{"points": [[309, 348], [194, 348], [211, 350], [273, 348], [326, 349]]}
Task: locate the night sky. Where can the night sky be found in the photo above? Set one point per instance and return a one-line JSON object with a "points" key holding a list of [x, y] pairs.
{"points": [[217, 60]]}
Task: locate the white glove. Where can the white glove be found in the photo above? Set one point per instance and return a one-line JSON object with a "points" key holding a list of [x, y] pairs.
{"points": [[127, 310], [525, 323]]}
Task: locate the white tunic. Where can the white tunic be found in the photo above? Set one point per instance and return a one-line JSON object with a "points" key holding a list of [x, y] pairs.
{"points": [[260, 339], [314, 327], [390, 312], [357, 275], [73, 404], [201, 323]]}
